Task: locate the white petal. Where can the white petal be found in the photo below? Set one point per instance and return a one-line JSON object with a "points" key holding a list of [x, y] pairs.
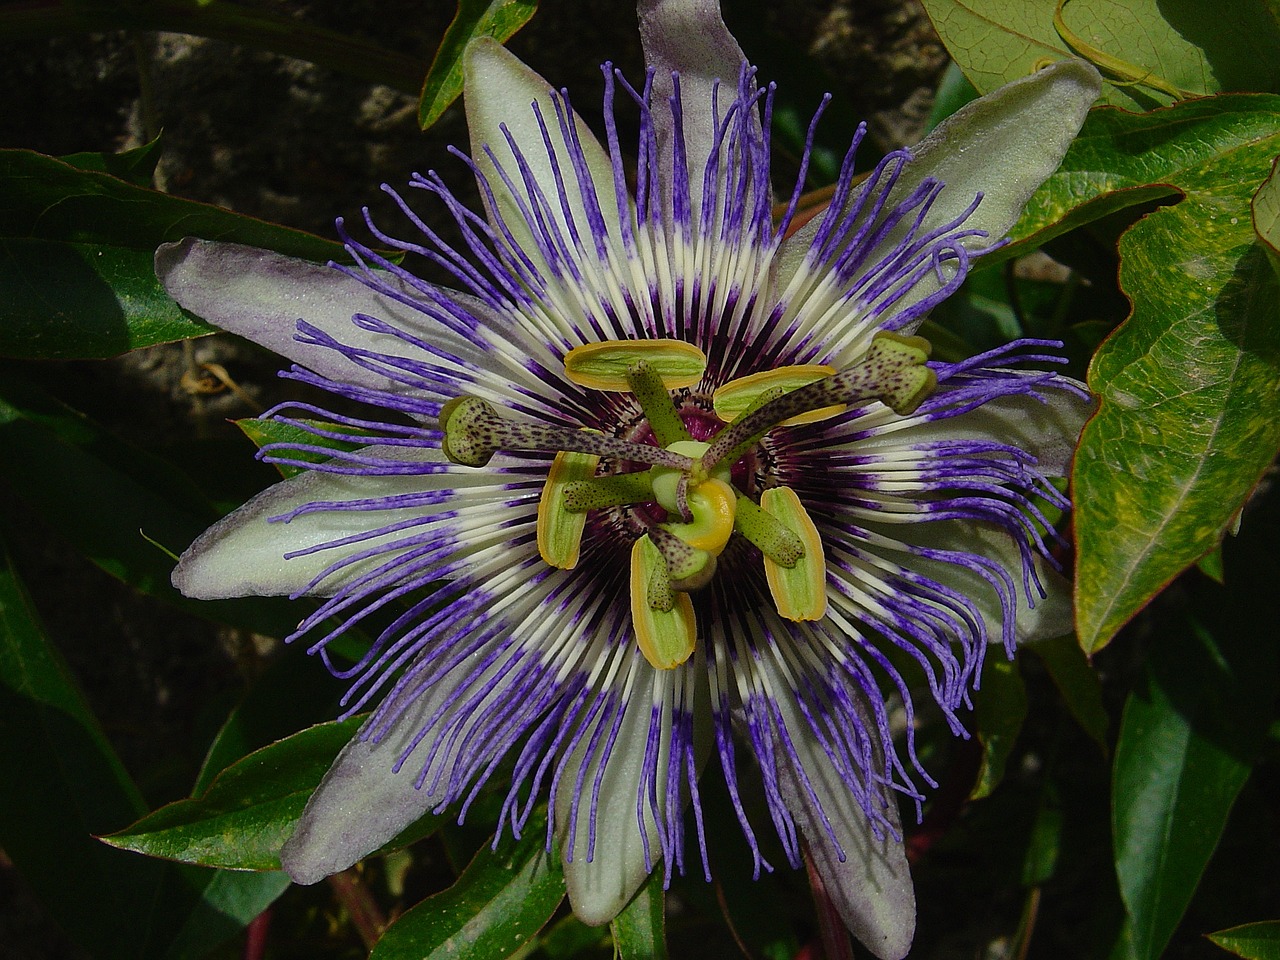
{"points": [[363, 803], [261, 295], [600, 887], [689, 37], [1047, 428], [243, 554], [871, 887], [499, 91], [1037, 618], [1003, 145]]}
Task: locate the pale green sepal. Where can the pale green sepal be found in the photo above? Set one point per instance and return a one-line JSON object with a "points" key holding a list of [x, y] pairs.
{"points": [[1046, 425], [1265, 208], [499, 91], [1037, 618], [1003, 145], [560, 529]]}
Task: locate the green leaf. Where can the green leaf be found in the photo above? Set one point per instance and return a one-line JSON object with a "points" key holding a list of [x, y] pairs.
{"points": [[65, 466], [639, 931], [227, 904], [1000, 709], [499, 19], [263, 432], [60, 783], [1188, 383], [1183, 753], [498, 903], [136, 166], [1150, 50], [1266, 214], [74, 300], [1078, 683], [76, 249], [570, 939], [292, 693], [250, 809], [1253, 941], [1045, 842]]}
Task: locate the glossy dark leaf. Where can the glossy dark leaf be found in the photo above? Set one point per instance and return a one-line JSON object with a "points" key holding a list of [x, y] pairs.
{"points": [[1078, 683], [65, 466], [136, 166], [1253, 941], [1156, 49], [1189, 381], [1184, 750], [263, 432], [640, 931], [498, 903], [1000, 709], [227, 904], [60, 783], [76, 249], [499, 19], [250, 808]]}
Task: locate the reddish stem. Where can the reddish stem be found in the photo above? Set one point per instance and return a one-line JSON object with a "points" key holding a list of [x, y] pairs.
{"points": [[255, 936]]}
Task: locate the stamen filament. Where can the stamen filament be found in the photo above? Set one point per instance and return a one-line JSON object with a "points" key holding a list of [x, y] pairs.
{"points": [[770, 535], [617, 490], [656, 403]]}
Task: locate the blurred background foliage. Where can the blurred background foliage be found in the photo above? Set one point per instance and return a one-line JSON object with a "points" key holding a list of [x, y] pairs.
{"points": [[1120, 797]]}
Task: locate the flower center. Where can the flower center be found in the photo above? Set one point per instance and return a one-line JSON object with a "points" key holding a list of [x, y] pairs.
{"points": [[690, 481]]}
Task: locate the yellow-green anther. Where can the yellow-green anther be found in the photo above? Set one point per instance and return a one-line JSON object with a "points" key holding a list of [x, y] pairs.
{"points": [[892, 371], [770, 535], [667, 631], [613, 491], [688, 567], [655, 401], [658, 594], [474, 431], [606, 365], [737, 397], [560, 529], [800, 590]]}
